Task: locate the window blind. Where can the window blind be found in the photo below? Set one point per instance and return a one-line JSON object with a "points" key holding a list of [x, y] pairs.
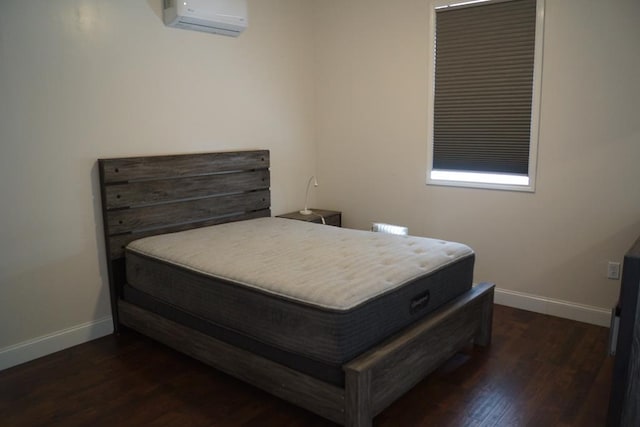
{"points": [[484, 57]]}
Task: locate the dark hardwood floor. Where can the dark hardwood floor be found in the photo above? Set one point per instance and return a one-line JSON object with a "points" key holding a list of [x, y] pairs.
{"points": [[539, 371]]}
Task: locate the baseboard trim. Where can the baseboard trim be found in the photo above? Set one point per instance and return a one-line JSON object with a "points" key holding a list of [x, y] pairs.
{"points": [[51, 343], [554, 307]]}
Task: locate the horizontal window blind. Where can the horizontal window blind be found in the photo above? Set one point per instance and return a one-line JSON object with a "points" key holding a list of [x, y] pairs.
{"points": [[484, 87]]}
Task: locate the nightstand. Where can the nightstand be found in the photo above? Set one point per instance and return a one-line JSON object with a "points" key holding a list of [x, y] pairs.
{"points": [[330, 217]]}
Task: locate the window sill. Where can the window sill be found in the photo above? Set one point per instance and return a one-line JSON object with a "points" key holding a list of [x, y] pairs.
{"points": [[481, 180]]}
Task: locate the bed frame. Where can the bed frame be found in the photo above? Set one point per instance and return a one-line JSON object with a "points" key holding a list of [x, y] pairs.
{"points": [[144, 196]]}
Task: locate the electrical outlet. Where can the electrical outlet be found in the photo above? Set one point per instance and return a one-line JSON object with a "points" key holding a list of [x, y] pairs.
{"points": [[613, 270]]}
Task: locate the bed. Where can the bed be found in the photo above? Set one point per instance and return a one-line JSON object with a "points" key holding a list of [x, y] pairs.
{"points": [[317, 346]]}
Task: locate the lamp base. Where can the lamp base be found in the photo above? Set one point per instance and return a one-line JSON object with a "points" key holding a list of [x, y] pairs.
{"points": [[306, 211]]}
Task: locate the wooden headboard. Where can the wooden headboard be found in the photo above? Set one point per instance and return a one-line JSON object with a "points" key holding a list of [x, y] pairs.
{"points": [[145, 196]]}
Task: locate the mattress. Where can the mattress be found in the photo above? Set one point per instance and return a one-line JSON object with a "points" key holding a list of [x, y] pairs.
{"points": [[322, 294]]}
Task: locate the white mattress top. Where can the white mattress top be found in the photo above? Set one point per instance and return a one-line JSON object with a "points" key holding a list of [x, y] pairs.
{"points": [[330, 267]]}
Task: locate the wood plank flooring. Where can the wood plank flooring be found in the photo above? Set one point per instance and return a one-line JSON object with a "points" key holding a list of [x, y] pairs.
{"points": [[539, 371]]}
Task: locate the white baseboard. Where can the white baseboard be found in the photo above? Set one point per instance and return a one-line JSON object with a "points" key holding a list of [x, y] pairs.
{"points": [[51, 343], [554, 307]]}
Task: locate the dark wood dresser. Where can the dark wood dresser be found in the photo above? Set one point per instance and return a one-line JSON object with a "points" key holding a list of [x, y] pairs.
{"points": [[624, 401]]}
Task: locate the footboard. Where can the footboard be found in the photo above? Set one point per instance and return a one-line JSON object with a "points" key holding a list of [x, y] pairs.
{"points": [[377, 378]]}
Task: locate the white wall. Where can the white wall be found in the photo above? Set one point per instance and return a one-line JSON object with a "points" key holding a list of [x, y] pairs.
{"points": [[85, 79], [555, 243]]}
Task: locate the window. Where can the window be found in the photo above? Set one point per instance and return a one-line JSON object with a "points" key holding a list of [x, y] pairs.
{"points": [[485, 93]]}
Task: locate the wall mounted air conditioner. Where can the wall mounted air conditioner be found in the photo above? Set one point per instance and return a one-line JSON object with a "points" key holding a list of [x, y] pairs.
{"points": [[226, 17]]}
